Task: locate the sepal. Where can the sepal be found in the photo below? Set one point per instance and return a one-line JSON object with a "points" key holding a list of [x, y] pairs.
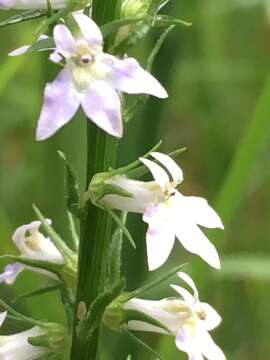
{"points": [[55, 339]]}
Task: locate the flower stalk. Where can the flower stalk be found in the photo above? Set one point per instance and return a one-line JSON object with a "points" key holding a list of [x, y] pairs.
{"points": [[96, 227]]}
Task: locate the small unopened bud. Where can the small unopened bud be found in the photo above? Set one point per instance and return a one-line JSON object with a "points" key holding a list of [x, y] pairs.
{"points": [[134, 8]]}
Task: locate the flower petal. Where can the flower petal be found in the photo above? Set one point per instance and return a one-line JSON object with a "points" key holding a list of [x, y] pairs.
{"points": [[170, 165], [35, 245], [212, 319], [184, 293], [193, 240], [102, 105], [64, 40], [60, 104], [144, 195], [207, 346], [185, 340], [89, 29], [128, 76], [201, 212], [159, 237], [159, 174], [10, 273], [3, 316], [190, 283]]}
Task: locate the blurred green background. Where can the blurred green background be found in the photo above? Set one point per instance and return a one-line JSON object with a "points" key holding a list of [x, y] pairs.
{"points": [[217, 74]]}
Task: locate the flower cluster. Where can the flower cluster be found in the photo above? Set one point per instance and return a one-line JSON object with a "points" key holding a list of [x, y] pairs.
{"points": [[96, 81]]}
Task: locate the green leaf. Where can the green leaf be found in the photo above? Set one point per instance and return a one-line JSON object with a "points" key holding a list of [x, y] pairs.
{"points": [[87, 326], [245, 267], [121, 226], [19, 316], [40, 264], [143, 170], [25, 16], [44, 289], [72, 191], [73, 232], [52, 234], [42, 45], [141, 343], [136, 293], [115, 254], [142, 99], [165, 20], [126, 169]]}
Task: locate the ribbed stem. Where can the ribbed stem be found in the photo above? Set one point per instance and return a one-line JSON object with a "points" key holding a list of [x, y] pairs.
{"points": [[96, 229]]}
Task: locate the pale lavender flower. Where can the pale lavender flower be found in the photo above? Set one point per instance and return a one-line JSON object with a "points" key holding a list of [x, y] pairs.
{"points": [[31, 4], [91, 79], [16, 346], [33, 245], [188, 319], [167, 212]]}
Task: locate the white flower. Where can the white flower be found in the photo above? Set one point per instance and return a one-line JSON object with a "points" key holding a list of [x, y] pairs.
{"points": [[17, 347], [188, 319], [91, 79], [169, 214], [31, 4], [33, 245]]}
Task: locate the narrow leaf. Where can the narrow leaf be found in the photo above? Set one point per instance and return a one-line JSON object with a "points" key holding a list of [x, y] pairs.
{"points": [[52, 234], [143, 170], [72, 191], [40, 264], [44, 289], [165, 20], [136, 293], [96, 310], [141, 343], [25, 16], [121, 226], [115, 254]]}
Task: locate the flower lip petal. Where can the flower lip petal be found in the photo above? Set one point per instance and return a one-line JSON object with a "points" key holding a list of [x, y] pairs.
{"points": [[170, 165], [159, 242], [89, 30], [208, 347], [194, 240], [102, 105], [187, 279], [159, 174], [3, 316], [212, 319], [64, 40]]}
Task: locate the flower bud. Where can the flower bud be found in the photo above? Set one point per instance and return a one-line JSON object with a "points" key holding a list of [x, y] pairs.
{"points": [[134, 8]]}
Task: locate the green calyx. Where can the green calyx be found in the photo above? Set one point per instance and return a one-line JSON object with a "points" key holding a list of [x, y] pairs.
{"points": [[55, 338], [101, 185]]}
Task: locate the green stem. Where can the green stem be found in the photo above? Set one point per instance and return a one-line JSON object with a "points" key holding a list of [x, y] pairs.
{"points": [[96, 229]]}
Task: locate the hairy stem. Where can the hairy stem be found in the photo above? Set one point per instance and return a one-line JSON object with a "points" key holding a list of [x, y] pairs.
{"points": [[96, 229]]}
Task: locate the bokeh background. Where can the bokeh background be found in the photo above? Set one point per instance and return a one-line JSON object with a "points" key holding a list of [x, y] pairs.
{"points": [[217, 74]]}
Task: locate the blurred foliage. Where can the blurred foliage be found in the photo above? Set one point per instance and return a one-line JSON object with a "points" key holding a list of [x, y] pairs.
{"points": [[217, 76]]}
